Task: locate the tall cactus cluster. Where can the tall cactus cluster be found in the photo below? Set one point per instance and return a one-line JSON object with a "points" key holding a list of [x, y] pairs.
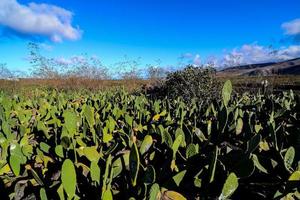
{"points": [[115, 145]]}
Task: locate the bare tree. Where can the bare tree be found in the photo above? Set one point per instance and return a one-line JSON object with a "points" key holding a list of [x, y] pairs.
{"points": [[78, 66], [42, 67], [5, 73], [156, 72], [87, 67], [129, 69]]}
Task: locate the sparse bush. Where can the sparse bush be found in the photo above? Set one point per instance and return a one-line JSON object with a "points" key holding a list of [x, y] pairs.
{"points": [[192, 82]]}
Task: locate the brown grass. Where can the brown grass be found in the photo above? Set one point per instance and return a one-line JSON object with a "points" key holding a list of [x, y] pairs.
{"points": [[240, 83], [276, 83], [72, 84]]}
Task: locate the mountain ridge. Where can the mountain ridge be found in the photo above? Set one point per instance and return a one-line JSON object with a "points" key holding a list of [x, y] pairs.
{"points": [[287, 67]]}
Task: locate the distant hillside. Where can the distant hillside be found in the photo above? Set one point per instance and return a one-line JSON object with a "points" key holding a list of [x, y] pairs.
{"points": [[289, 67]]}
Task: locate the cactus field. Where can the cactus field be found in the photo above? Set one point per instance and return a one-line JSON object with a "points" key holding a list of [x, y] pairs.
{"points": [[116, 145]]}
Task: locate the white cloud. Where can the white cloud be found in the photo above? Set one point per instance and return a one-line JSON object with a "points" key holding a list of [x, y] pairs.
{"points": [[197, 60], [246, 54], [254, 53], [77, 59], [292, 27], [38, 20], [286, 53], [63, 61]]}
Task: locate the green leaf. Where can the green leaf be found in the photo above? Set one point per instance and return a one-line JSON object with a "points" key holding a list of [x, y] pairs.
{"points": [[146, 144], [173, 195], [128, 120], [257, 128], [258, 165], [166, 137], [175, 148], [223, 119], [191, 150], [239, 126], [43, 194], [15, 164], [70, 118], [176, 145], [117, 167], [289, 158], [16, 158], [5, 169], [213, 165], [6, 129], [44, 147], [91, 153], [89, 115], [95, 171], [36, 176], [229, 187], [42, 127], [178, 132], [197, 182], [178, 177], [59, 151], [154, 192], [253, 143], [60, 192], [68, 178], [27, 150], [226, 92], [263, 145], [111, 124], [106, 136], [156, 117], [107, 195], [106, 173], [134, 160], [200, 135], [209, 123], [295, 176]]}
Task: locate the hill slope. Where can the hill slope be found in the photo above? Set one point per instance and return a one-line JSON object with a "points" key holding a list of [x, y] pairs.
{"points": [[289, 67]]}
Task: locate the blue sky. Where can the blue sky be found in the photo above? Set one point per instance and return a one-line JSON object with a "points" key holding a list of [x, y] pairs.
{"points": [[150, 29]]}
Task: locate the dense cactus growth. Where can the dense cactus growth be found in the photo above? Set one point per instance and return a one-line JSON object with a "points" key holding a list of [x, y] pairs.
{"points": [[113, 145]]}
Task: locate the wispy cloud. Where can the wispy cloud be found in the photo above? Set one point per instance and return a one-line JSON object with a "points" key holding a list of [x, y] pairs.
{"points": [[197, 60], [292, 29], [190, 58], [38, 20], [186, 56], [46, 47], [77, 59]]}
